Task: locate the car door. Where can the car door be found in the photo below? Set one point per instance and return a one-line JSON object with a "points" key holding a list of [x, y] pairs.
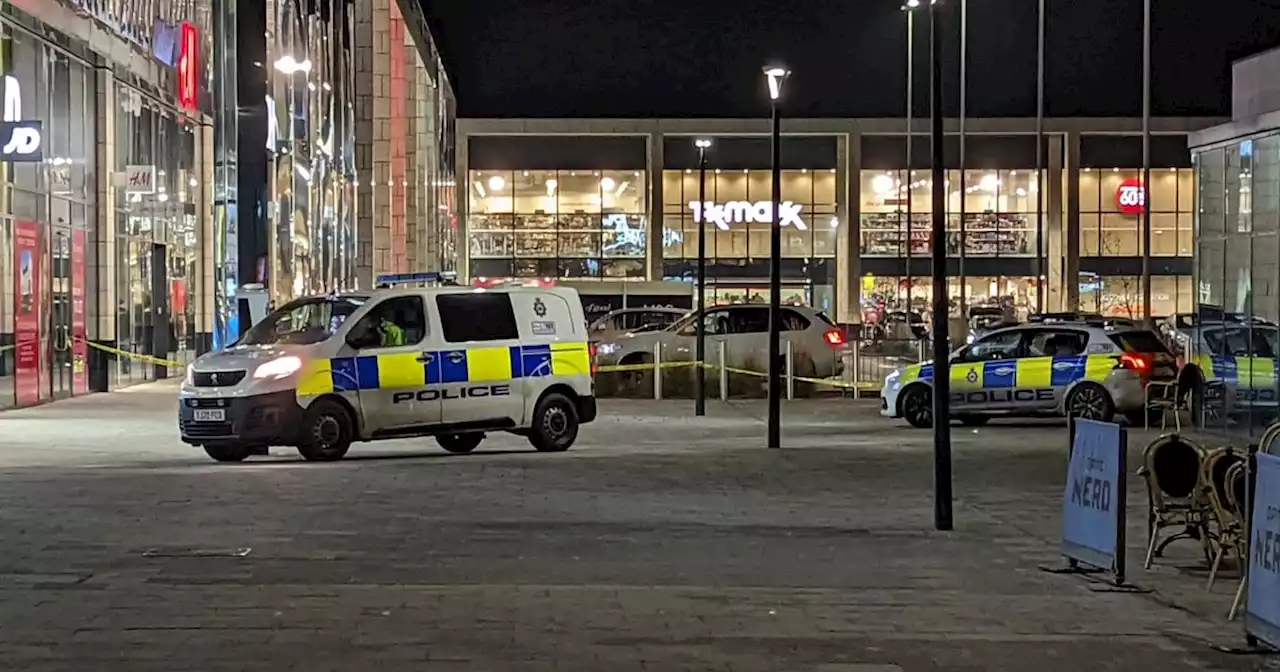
{"points": [[748, 338], [683, 345], [473, 365], [984, 375], [391, 380], [1054, 359]]}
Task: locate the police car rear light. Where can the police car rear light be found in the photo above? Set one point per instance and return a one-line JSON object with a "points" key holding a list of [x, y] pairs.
{"points": [[1139, 363], [834, 337]]}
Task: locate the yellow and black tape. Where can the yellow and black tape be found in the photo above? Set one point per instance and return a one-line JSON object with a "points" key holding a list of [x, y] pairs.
{"points": [[827, 382], [146, 359]]}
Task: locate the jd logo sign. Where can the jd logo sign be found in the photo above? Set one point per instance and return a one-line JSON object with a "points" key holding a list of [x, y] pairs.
{"points": [[737, 212], [1131, 197], [19, 140]]}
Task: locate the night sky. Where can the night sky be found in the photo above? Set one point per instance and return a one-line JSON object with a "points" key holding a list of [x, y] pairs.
{"points": [[702, 58]]}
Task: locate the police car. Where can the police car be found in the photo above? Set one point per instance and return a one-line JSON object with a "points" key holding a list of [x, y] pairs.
{"points": [[1082, 369], [1231, 360], [455, 363]]}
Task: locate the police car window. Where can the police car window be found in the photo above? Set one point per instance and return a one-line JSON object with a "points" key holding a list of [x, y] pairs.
{"points": [[482, 316], [1062, 343], [1235, 342], [995, 347], [397, 321], [303, 322]]}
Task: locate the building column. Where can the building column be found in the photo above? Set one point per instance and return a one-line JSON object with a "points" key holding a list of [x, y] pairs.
{"points": [[102, 320], [1053, 204], [849, 252], [846, 283], [462, 207], [654, 233], [1071, 264], [207, 278]]}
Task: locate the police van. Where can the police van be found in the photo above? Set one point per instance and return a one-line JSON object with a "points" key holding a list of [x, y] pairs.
{"points": [[1082, 369], [454, 363]]}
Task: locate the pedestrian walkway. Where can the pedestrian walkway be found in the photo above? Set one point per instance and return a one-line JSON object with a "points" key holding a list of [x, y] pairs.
{"points": [[661, 541]]}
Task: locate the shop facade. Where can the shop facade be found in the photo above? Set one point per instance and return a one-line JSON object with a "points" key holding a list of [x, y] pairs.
{"points": [[855, 212], [103, 210], [1237, 265]]}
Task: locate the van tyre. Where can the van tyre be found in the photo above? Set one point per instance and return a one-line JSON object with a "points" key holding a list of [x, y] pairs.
{"points": [[460, 443], [555, 424], [229, 452], [917, 406], [1090, 401], [327, 432]]}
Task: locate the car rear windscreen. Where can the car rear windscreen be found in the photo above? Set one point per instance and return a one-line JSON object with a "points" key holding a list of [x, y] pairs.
{"points": [[1139, 340]]}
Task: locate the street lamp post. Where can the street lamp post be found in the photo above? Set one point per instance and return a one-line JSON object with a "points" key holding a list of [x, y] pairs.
{"points": [[942, 503], [776, 76], [700, 352]]}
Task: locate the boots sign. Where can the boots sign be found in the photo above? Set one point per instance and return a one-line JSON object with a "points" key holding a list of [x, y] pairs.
{"points": [[1131, 197], [738, 212], [19, 140]]}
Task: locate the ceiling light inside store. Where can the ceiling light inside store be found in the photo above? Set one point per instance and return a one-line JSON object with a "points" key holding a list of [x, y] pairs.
{"points": [[882, 184], [1021, 191], [835, 222], [717, 171], [525, 173], [608, 184], [194, 182], [496, 183], [162, 197], [327, 87], [637, 173], [989, 182], [289, 66], [311, 86], [688, 171]]}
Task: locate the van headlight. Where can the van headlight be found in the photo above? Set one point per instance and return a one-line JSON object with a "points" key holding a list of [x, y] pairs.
{"points": [[278, 368], [191, 374]]}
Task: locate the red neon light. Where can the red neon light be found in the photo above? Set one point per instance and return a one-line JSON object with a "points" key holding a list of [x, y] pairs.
{"points": [[188, 67]]}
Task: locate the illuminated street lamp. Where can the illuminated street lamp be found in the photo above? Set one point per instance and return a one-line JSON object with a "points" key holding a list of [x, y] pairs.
{"points": [[776, 76], [700, 351]]}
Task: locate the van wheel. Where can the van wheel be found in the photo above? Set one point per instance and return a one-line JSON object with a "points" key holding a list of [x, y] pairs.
{"points": [[555, 424], [917, 406], [1090, 401], [460, 443], [229, 452], [327, 432]]}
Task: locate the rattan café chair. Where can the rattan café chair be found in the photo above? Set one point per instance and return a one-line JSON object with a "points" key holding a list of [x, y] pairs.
{"points": [[1227, 522], [1171, 467]]}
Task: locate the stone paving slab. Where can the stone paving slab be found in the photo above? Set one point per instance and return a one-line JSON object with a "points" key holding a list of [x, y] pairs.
{"points": [[661, 542]]}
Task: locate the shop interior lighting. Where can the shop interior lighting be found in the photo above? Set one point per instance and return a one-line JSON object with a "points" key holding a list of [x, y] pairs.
{"points": [[688, 171], [303, 171], [496, 183], [327, 86], [989, 182], [835, 222], [700, 143], [525, 173], [311, 86], [289, 66], [882, 184], [608, 184], [776, 75], [194, 182]]}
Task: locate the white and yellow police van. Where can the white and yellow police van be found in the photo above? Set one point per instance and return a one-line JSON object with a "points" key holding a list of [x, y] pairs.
{"points": [[1081, 369], [455, 363]]}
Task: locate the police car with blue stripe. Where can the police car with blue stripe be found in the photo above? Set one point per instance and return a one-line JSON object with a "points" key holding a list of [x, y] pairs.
{"points": [[450, 362], [1082, 369]]}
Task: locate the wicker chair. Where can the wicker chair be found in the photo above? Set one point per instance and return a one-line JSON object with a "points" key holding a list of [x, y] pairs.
{"points": [[1171, 467], [1237, 492], [1227, 521], [1166, 397]]}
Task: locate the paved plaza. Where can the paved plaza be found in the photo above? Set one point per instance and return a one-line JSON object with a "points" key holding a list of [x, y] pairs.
{"points": [[660, 542]]}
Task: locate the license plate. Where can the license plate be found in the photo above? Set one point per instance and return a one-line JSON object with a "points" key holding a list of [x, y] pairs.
{"points": [[210, 415]]}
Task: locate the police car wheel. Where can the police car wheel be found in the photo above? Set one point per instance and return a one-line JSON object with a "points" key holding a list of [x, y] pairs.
{"points": [[1091, 402], [555, 424], [917, 406], [460, 443], [229, 452], [327, 432]]}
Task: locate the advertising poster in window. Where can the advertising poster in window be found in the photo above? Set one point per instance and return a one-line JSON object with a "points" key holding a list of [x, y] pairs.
{"points": [[79, 346], [26, 319]]}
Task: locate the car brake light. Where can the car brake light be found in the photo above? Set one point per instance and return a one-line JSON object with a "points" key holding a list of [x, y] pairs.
{"points": [[591, 349], [834, 337], [1138, 363]]}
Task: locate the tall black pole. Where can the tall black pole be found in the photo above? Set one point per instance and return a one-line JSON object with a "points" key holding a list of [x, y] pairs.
{"points": [[1146, 161], [909, 182], [1041, 244], [775, 291], [942, 505], [700, 373], [964, 98]]}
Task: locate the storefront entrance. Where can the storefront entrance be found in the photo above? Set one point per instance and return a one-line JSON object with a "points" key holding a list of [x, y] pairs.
{"points": [[61, 343], [160, 320]]}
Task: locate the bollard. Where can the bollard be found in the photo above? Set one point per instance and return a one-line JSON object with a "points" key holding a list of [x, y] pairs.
{"points": [[724, 374], [657, 371], [851, 367], [791, 372]]}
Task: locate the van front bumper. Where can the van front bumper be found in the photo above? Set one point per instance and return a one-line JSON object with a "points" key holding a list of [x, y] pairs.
{"points": [[262, 419]]}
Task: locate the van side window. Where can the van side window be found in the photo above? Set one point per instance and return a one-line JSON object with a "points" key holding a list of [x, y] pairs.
{"points": [[481, 316], [398, 321]]}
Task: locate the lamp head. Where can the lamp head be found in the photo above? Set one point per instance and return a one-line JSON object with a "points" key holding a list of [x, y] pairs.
{"points": [[776, 75], [702, 143]]}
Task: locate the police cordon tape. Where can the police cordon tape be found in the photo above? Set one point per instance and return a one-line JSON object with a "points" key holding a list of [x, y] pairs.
{"points": [[146, 359], [839, 384]]}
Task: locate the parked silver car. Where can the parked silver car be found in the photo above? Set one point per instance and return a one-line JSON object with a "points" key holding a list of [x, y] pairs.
{"points": [[744, 332], [625, 320]]}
